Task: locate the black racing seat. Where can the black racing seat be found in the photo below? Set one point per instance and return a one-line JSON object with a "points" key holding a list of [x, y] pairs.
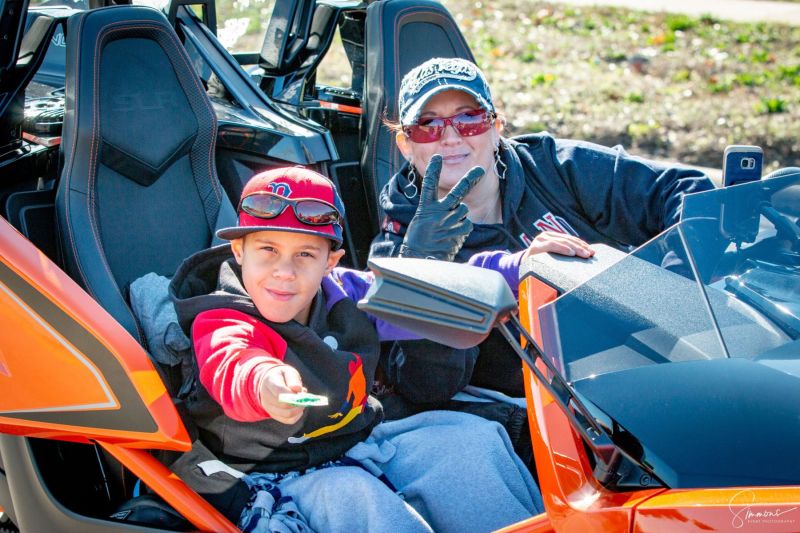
{"points": [[139, 190], [401, 34]]}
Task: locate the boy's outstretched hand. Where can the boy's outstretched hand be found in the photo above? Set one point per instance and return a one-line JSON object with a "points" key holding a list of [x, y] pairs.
{"points": [[559, 243], [439, 227], [281, 379]]}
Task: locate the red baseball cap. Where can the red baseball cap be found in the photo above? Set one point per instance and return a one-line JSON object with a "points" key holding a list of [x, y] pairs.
{"points": [[293, 183]]}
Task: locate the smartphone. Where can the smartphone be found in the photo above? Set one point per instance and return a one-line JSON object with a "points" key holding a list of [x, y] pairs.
{"points": [[741, 215], [741, 163]]}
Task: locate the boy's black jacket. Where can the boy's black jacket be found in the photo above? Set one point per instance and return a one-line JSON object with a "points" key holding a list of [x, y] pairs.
{"points": [[212, 280]]}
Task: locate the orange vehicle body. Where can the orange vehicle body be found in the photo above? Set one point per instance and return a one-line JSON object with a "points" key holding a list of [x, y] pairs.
{"points": [[575, 502], [62, 354], [64, 361]]}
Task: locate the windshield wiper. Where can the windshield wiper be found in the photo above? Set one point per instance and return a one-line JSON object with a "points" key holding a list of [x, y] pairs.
{"points": [[611, 458]]}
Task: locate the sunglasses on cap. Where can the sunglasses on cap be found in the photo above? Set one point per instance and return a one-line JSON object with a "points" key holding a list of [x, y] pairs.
{"points": [[467, 124], [307, 210]]}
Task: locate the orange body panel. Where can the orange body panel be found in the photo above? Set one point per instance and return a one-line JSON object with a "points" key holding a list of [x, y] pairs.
{"points": [[574, 501], [68, 380], [762, 509], [48, 374]]}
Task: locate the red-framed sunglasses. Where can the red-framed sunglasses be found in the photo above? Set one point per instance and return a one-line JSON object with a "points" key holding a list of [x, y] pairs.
{"points": [[467, 124], [309, 211]]}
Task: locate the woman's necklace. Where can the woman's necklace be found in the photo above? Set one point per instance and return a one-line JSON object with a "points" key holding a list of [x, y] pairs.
{"points": [[492, 216]]}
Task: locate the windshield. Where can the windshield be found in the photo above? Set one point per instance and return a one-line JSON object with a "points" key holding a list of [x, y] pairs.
{"points": [[722, 283], [693, 336]]}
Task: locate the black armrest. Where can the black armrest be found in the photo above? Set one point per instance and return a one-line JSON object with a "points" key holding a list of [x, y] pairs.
{"points": [[564, 273]]}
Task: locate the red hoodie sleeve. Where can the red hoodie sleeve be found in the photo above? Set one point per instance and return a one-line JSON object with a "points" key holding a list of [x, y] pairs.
{"points": [[234, 352]]}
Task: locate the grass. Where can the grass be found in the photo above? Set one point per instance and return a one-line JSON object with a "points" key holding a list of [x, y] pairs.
{"points": [[663, 85]]}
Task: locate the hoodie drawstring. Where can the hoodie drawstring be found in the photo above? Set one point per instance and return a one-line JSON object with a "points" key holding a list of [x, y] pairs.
{"points": [[523, 238]]}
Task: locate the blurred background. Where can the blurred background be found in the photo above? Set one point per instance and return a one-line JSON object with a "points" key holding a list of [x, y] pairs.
{"points": [[666, 85]]}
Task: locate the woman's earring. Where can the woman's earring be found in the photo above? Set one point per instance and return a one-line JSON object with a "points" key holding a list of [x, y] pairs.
{"points": [[498, 165], [411, 190]]}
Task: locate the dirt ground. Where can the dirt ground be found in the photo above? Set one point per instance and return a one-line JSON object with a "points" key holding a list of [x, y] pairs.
{"points": [[668, 86]]}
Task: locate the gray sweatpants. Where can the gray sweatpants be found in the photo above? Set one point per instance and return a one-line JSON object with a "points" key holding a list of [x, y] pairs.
{"points": [[457, 472]]}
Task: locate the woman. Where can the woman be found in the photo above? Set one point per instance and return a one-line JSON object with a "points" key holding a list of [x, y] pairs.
{"points": [[538, 193]]}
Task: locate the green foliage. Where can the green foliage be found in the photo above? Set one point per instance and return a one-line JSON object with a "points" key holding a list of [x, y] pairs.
{"points": [[760, 56], [542, 79], [639, 130], [790, 74], [488, 41], [529, 54], [681, 76], [718, 86], [708, 19], [772, 105], [616, 56], [665, 39], [535, 126], [680, 22], [631, 18], [747, 79], [255, 25], [255, 12], [635, 97], [701, 78]]}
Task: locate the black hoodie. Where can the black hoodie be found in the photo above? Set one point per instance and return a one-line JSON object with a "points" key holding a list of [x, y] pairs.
{"points": [[602, 195]]}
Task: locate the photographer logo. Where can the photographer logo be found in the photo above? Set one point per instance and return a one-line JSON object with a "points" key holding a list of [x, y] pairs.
{"points": [[743, 513]]}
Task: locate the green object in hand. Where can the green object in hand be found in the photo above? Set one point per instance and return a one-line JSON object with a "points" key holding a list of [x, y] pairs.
{"points": [[303, 399]]}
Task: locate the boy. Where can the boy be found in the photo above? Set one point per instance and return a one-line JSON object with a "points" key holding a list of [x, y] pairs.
{"points": [[273, 315]]}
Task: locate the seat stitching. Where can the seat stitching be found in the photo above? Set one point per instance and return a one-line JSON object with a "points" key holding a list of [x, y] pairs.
{"points": [[374, 139], [172, 47], [166, 163], [212, 115]]}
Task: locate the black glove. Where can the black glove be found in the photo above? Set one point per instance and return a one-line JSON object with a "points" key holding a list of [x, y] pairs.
{"points": [[439, 228]]}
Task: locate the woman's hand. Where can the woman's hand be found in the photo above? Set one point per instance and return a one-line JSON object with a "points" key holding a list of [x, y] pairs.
{"points": [[439, 227], [281, 379], [559, 243]]}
